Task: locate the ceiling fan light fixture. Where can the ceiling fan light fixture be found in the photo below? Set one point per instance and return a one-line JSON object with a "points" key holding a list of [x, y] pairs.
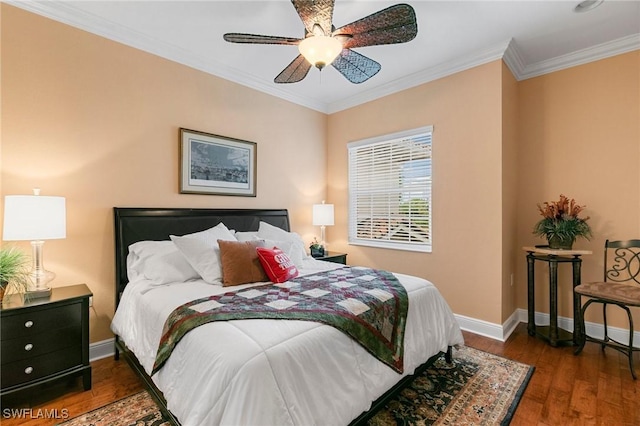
{"points": [[320, 50], [323, 44]]}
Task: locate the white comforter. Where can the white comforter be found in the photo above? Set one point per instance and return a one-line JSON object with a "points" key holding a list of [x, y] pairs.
{"points": [[273, 372]]}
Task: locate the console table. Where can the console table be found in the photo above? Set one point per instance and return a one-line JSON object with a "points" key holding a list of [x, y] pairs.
{"points": [[553, 257]]}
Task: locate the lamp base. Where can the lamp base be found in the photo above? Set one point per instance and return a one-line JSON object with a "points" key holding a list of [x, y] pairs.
{"points": [[37, 293], [40, 278]]}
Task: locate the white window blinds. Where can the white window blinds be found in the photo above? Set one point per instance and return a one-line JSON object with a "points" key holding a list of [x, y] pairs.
{"points": [[390, 191]]}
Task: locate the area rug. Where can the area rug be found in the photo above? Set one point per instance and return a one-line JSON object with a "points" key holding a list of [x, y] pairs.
{"points": [[138, 409], [477, 389]]}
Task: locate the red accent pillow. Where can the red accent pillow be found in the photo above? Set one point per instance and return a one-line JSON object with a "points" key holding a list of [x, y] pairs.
{"points": [[278, 266]]}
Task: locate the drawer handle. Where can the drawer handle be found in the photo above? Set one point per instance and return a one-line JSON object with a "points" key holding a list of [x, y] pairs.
{"points": [[28, 370], [28, 324], [28, 346]]}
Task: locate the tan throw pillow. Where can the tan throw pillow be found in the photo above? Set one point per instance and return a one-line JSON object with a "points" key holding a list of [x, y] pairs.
{"points": [[240, 263]]}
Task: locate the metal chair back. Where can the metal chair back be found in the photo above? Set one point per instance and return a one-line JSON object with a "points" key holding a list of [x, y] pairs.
{"points": [[622, 261]]}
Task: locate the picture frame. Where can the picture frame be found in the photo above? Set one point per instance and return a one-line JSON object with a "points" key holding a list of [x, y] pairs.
{"points": [[217, 165]]}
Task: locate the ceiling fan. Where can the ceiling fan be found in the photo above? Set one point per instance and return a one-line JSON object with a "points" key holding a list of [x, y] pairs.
{"points": [[323, 44]]}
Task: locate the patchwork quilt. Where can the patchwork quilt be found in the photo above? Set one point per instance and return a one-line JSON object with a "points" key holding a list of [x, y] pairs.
{"points": [[369, 305]]}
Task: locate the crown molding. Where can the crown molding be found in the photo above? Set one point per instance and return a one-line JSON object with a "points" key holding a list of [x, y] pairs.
{"points": [[508, 51], [513, 59], [579, 57], [422, 77]]}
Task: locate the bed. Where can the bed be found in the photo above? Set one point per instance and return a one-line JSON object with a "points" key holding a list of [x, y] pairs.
{"points": [[264, 371]]}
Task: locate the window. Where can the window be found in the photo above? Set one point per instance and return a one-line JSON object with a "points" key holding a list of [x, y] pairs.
{"points": [[390, 191]]}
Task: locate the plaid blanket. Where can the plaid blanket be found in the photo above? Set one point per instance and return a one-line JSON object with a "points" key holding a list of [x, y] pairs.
{"points": [[368, 305]]}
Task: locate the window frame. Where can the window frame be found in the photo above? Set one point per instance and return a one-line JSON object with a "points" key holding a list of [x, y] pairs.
{"points": [[352, 147]]}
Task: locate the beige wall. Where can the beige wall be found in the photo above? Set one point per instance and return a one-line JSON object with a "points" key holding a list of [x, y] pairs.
{"points": [[97, 122], [467, 184], [510, 251], [580, 136]]}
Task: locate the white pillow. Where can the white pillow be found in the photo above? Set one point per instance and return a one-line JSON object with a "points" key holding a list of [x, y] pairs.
{"points": [[158, 261], [246, 235], [202, 251], [297, 252], [286, 246], [212, 235]]}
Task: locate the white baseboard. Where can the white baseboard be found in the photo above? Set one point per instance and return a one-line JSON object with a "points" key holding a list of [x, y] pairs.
{"points": [[593, 329], [105, 348], [102, 349], [488, 329], [483, 328], [502, 332]]}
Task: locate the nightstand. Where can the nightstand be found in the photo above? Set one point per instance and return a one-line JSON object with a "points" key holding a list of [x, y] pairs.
{"points": [[332, 256], [45, 339]]}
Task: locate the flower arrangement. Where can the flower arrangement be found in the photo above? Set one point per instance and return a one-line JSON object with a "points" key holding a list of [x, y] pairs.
{"points": [[560, 223], [316, 249]]}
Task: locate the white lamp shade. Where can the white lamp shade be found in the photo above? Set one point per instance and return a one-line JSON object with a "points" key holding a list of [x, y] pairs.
{"points": [[34, 217], [323, 214]]}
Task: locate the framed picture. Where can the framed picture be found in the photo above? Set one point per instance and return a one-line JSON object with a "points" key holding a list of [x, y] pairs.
{"points": [[212, 164]]}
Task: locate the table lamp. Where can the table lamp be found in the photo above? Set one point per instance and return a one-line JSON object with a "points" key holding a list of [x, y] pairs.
{"points": [[35, 218], [323, 217]]}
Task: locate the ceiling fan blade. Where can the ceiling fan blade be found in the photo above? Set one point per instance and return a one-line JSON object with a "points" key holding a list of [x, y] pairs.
{"points": [[355, 67], [259, 39], [295, 71], [315, 12], [395, 24]]}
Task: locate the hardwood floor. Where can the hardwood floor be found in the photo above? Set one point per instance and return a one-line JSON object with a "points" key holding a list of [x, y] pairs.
{"points": [[593, 388], [111, 380], [590, 389]]}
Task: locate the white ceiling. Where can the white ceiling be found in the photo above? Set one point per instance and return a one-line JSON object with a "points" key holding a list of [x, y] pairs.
{"points": [[534, 37]]}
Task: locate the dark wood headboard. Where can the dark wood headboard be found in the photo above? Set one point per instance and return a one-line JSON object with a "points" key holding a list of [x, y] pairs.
{"points": [[156, 224]]}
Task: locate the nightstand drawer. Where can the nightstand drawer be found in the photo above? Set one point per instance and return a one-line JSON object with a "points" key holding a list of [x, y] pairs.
{"points": [[26, 370], [32, 346], [39, 321]]}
